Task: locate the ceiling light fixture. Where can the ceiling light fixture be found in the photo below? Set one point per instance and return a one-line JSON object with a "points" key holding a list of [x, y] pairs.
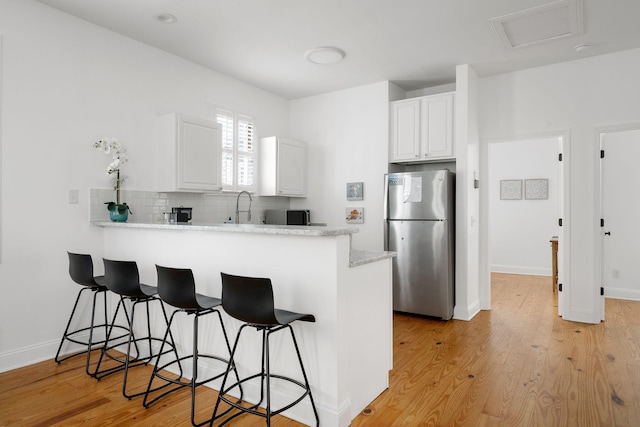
{"points": [[166, 18], [324, 55], [582, 47]]}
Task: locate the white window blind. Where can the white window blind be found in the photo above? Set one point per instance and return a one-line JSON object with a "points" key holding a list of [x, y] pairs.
{"points": [[238, 151]]}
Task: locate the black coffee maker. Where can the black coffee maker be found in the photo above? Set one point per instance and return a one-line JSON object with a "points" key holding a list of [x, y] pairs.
{"points": [[181, 214]]}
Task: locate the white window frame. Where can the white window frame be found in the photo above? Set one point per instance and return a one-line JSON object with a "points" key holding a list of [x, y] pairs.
{"points": [[235, 151]]}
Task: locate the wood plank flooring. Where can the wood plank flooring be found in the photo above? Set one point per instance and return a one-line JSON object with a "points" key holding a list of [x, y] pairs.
{"points": [[516, 365]]}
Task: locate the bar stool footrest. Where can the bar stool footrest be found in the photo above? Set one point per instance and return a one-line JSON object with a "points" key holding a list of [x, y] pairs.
{"points": [[179, 381], [251, 409], [136, 361]]}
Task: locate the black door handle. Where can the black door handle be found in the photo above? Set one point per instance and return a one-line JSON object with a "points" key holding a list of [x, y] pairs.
{"points": [[607, 233]]}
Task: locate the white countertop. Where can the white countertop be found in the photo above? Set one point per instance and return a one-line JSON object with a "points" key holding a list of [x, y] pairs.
{"points": [[356, 257], [300, 230]]}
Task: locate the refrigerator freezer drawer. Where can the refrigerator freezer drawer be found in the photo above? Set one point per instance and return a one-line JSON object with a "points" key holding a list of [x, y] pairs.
{"points": [[423, 269]]}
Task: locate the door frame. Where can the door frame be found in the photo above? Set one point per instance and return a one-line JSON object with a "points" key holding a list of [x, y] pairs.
{"points": [[564, 234], [599, 231]]}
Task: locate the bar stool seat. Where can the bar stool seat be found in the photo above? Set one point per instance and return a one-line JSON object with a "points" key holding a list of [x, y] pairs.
{"points": [[176, 287], [122, 278], [250, 300], [81, 272]]}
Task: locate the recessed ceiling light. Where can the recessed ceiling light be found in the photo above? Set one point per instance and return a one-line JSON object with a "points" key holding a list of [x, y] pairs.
{"points": [[166, 18], [324, 55]]}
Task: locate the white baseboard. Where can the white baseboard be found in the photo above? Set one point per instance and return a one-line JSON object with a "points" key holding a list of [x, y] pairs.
{"points": [[29, 355], [519, 269], [622, 293], [466, 313]]}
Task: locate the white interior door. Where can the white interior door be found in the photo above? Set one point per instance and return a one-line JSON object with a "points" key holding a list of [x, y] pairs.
{"points": [[620, 198]]}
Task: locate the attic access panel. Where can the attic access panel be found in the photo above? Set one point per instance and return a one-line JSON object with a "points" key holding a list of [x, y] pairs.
{"points": [[553, 21]]}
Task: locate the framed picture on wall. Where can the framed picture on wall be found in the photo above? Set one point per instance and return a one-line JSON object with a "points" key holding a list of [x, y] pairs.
{"points": [[510, 189], [354, 215], [355, 190], [536, 189]]}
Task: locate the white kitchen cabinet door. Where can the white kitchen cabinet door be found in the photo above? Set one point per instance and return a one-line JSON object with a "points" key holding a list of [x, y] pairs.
{"points": [[422, 129], [405, 128], [283, 167], [190, 158], [437, 126]]}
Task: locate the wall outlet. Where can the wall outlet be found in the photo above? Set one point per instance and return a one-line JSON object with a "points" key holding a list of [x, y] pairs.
{"points": [[615, 274], [73, 197]]}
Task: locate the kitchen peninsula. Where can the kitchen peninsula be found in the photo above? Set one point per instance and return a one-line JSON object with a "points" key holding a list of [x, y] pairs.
{"points": [[348, 350]]}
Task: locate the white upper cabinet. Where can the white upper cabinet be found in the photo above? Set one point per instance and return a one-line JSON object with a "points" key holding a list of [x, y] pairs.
{"points": [[283, 167], [189, 154], [422, 129]]}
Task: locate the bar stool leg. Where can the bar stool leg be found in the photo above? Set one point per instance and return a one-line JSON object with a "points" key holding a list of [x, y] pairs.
{"points": [[93, 313], [146, 360], [68, 336], [97, 374], [266, 371], [194, 374], [167, 336], [304, 374]]}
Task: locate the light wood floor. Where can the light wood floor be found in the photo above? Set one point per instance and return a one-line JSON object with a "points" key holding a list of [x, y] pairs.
{"points": [[516, 365]]}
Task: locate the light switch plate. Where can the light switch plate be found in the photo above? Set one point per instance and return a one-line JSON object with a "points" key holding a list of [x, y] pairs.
{"points": [[73, 197]]}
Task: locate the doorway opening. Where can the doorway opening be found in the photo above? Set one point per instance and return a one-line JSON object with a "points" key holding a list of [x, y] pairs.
{"points": [[524, 201]]}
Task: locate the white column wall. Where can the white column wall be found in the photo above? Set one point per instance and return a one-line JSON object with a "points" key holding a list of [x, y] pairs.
{"points": [[468, 302]]}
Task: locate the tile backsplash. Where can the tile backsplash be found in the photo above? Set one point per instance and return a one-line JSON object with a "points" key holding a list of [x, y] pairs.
{"points": [[149, 206]]}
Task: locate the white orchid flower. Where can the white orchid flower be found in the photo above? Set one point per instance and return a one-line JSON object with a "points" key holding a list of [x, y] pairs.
{"points": [[113, 166]]}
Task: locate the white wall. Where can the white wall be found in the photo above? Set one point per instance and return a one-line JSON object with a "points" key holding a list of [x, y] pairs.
{"points": [[520, 229], [348, 136], [66, 83], [468, 292], [577, 96]]}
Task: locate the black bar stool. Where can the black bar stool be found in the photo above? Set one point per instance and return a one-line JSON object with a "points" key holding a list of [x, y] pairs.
{"points": [[176, 287], [250, 300], [122, 278], [81, 272]]}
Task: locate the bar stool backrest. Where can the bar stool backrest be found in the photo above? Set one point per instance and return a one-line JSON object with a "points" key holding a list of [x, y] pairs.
{"points": [[177, 287], [81, 269], [122, 277], [249, 299]]}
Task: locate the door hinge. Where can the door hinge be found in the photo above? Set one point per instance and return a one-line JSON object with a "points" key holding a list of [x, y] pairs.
{"points": [[560, 222], [601, 222], [560, 157], [601, 290], [602, 154], [559, 287]]}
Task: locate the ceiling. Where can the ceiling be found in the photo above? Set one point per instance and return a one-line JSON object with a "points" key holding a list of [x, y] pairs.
{"points": [[414, 43]]}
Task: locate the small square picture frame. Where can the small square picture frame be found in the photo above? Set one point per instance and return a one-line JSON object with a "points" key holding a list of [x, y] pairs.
{"points": [[355, 191], [510, 189], [536, 189], [354, 215]]}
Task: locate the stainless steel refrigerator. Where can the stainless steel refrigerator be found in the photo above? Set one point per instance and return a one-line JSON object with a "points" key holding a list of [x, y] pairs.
{"points": [[419, 226]]}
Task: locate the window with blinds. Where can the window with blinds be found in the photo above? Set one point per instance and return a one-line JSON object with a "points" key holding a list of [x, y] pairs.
{"points": [[238, 151]]}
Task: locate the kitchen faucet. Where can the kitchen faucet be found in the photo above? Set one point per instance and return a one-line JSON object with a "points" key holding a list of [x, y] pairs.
{"points": [[247, 211]]}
